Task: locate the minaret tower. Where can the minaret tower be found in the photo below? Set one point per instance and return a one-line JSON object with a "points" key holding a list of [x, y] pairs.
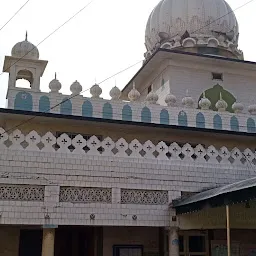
{"points": [[24, 63]]}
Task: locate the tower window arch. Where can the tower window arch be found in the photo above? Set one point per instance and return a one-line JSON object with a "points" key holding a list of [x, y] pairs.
{"points": [[24, 79]]}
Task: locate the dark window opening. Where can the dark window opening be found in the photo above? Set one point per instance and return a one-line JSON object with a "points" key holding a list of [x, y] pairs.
{"points": [[129, 250], [197, 244], [30, 242], [181, 243], [217, 76]]}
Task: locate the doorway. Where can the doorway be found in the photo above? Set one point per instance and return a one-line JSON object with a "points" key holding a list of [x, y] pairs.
{"points": [[75, 241], [30, 242], [193, 244]]}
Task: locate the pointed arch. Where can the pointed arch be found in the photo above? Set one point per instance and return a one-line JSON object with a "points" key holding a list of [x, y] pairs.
{"points": [[164, 117], [200, 120], [251, 125], [87, 109], [44, 104], [146, 115], [182, 119], [23, 101], [213, 94], [234, 124], [127, 113], [217, 122], [66, 107], [107, 111]]}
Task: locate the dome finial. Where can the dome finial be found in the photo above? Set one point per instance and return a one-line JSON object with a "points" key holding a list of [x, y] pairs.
{"points": [[221, 104], [221, 96], [55, 85], [188, 101], [134, 94], [204, 103], [26, 36]]}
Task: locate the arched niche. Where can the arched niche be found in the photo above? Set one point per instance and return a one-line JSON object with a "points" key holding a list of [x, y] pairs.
{"points": [[164, 117], [146, 115], [200, 120], [87, 109], [44, 104], [182, 119], [217, 122], [234, 124], [66, 107], [23, 101], [107, 111], [213, 94], [127, 113], [251, 125]]}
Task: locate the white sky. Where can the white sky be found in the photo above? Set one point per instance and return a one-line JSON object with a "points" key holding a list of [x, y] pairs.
{"points": [[105, 38]]}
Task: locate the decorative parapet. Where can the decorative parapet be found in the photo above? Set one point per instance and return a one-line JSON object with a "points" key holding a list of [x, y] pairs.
{"points": [[131, 111], [85, 195], [123, 149], [147, 197]]}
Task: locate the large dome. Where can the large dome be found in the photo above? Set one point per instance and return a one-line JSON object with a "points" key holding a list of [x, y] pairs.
{"points": [[201, 26]]}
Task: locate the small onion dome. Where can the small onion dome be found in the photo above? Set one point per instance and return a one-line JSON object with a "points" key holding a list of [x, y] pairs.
{"points": [[238, 107], [134, 94], [25, 50], [221, 104], [188, 101], [115, 93], [152, 97], [252, 109], [96, 91], [76, 88], [204, 103], [55, 85], [170, 100]]}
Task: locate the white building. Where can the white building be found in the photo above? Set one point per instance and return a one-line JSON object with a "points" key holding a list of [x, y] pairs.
{"points": [[88, 176]]}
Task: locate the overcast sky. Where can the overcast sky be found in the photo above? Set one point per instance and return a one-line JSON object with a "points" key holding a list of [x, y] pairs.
{"points": [[105, 38]]}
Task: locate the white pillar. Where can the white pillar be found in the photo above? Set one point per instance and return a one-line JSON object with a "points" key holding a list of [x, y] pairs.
{"points": [[48, 242], [173, 241]]}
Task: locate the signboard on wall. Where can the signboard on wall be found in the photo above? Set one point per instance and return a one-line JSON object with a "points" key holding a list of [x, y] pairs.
{"points": [[219, 248]]}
